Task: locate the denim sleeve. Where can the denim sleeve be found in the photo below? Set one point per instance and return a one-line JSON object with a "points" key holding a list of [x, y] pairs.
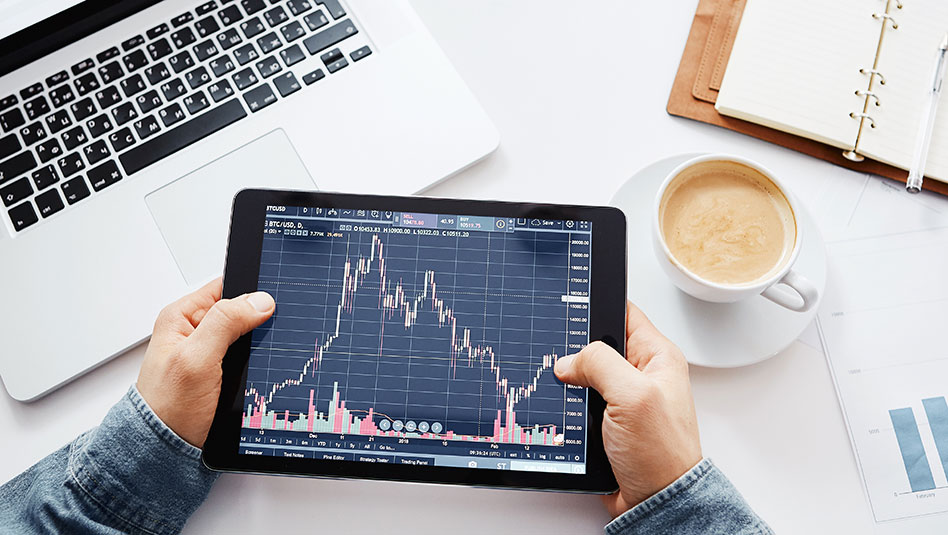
{"points": [[131, 474], [703, 501]]}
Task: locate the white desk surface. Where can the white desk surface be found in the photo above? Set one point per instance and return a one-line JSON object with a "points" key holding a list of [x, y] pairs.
{"points": [[578, 92]]}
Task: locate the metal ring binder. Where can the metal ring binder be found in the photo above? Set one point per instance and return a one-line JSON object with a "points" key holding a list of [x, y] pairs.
{"points": [[884, 17], [861, 116], [872, 72], [869, 94]]}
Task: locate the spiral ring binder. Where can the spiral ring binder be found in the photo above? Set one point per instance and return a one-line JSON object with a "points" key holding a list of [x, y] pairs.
{"points": [[874, 75]]}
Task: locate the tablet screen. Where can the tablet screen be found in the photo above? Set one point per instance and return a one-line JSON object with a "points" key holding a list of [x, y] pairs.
{"points": [[419, 339]]}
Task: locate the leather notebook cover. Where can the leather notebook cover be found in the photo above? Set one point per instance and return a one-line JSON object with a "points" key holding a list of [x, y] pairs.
{"points": [[699, 79]]}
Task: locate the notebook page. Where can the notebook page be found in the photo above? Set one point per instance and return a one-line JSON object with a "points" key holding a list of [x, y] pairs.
{"points": [[795, 67], [907, 60]]}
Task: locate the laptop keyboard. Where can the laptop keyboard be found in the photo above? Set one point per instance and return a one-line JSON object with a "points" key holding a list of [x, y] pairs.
{"points": [[87, 127]]}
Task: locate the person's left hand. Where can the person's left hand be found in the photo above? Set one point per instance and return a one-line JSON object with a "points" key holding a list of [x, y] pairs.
{"points": [[180, 378]]}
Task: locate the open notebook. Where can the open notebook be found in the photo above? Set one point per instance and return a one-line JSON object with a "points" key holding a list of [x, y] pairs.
{"points": [[854, 74]]}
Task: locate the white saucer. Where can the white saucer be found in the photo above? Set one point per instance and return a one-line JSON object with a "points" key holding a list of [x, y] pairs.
{"points": [[710, 334]]}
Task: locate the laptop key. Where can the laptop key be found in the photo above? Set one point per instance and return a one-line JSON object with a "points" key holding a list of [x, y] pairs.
{"points": [[148, 101], [124, 113], [205, 8], [104, 175], [134, 61], [61, 95], [111, 72], [298, 7], [292, 55], [356, 55], [276, 16], [159, 49], [96, 152], [183, 38], [207, 26], [83, 109], [246, 54], [45, 177], [157, 73], [205, 50], [8, 102], [253, 6], [86, 83], [49, 150], [181, 61], [74, 137], [195, 102], [244, 79], [49, 203], [252, 27], [259, 98], [197, 77], [132, 42], [16, 191], [330, 36], [11, 119], [161, 29], [269, 42], [120, 140], [331, 56], [82, 66], [229, 15], [23, 216], [222, 65], [70, 164], [108, 97], [182, 19], [58, 121], [269, 66], [18, 165], [106, 55], [229, 39], [334, 7], [171, 141], [9, 145], [337, 65], [57, 79], [146, 127], [36, 107], [99, 125], [220, 90], [286, 84], [171, 115], [31, 91], [75, 190], [33, 133], [133, 85], [316, 20], [173, 89], [292, 31]]}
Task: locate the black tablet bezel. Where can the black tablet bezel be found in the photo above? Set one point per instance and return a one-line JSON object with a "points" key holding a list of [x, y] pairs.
{"points": [[607, 323]]}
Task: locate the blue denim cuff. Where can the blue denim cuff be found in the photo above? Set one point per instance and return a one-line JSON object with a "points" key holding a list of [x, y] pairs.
{"points": [[138, 470], [701, 501]]}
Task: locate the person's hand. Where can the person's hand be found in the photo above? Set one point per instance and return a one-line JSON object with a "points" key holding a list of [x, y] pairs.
{"points": [[180, 378], [649, 429]]}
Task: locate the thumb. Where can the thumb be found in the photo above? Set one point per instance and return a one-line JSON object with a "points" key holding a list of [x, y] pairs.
{"points": [[598, 366], [228, 320]]}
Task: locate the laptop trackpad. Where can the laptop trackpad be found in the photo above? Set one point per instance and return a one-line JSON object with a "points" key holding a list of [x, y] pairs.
{"points": [[193, 212]]}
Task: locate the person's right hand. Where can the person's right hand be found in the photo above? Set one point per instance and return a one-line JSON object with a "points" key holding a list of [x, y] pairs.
{"points": [[649, 429]]}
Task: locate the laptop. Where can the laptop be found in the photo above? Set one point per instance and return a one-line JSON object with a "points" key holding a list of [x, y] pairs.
{"points": [[126, 128]]}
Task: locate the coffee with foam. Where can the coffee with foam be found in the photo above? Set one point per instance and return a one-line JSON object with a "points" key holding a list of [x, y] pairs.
{"points": [[727, 223]]}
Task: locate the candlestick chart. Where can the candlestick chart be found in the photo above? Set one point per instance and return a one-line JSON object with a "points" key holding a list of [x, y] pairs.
{"points": [[448, 336]]}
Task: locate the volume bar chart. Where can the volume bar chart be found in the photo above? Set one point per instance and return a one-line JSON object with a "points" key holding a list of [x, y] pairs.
{"points": [[914, 455]]}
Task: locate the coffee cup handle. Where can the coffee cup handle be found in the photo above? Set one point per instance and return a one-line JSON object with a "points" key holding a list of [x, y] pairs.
{"points": [[804, 296]]}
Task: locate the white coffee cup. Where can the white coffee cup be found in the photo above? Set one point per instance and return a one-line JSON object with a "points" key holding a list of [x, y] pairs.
{"points": [[783, 286]]}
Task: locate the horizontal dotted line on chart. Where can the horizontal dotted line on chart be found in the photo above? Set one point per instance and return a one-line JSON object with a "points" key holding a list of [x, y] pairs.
{"points": [[439, 290]]}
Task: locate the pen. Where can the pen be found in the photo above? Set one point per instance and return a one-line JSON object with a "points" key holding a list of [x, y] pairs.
{"points": [[927, 125]]}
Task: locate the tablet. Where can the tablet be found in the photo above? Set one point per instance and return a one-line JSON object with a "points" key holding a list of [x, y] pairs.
{"points": [[414, 339]]}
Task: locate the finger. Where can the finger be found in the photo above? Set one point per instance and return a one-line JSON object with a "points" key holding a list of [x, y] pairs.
{"points": [[228, 320], [203, 299], [597, 366], [645, 344], [178, 318]]}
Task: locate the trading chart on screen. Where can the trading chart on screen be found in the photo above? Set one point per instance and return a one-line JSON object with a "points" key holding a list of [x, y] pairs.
{"points": [[420, 339]]}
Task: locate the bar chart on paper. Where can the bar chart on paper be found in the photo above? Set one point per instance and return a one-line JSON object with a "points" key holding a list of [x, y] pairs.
{"points": [[883, 327]]}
